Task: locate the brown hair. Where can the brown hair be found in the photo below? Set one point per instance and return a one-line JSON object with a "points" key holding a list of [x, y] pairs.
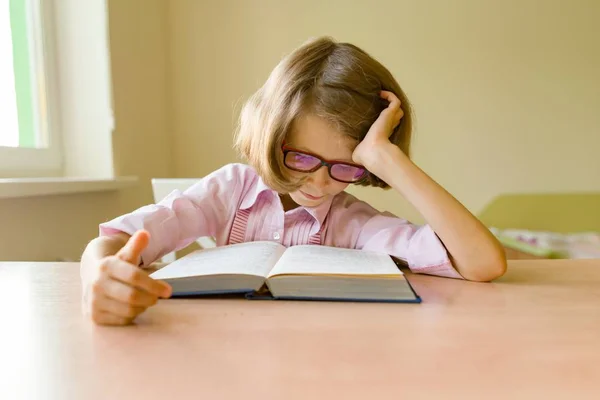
{"points": [[335, 81]]}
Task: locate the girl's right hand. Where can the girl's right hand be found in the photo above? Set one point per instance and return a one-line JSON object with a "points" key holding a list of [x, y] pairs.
{"points": [[119, 290]]}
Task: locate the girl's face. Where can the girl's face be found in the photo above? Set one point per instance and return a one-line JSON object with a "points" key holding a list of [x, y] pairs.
{"points": [[315, 135]]}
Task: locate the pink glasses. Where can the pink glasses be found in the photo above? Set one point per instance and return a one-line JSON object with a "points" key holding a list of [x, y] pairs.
{"points": [[303, 161]]}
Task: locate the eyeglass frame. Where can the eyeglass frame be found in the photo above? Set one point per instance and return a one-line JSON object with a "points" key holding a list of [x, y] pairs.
{"points": [[323, 162]]}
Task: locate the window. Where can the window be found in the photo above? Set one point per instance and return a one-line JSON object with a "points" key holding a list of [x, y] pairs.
{"points": [[29, 134], [9, 130], [56, 117]]}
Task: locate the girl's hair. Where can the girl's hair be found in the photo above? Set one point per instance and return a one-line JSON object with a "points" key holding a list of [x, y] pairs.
{"points": [[335, 81]]}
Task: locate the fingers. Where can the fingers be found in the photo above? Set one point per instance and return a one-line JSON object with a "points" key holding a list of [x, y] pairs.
{"points": [[112, 302], [119, 309], [126, 294], [392, 99], [132, 251], [393, 109], [398, 117], [121, 290], [135, 277], [105, 318]]}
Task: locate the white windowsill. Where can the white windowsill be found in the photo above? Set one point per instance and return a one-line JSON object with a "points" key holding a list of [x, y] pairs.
{"points": [[32, 187]]}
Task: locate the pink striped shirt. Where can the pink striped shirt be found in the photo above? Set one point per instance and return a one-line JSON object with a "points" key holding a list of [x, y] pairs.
{"points": [[234, 205]]}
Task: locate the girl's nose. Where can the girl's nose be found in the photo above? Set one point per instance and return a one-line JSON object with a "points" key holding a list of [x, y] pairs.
{"points": [[320, 178]]}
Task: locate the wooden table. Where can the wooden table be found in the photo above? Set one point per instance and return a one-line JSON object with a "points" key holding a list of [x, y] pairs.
{"points": [[534, 334]]}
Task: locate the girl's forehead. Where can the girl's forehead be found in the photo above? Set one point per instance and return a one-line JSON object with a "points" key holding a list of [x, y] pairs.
{"points": [[315, 134]]}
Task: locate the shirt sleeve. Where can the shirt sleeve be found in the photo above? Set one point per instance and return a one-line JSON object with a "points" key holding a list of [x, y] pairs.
{"points": [[360, 226], [182, 217], [418, 246]]}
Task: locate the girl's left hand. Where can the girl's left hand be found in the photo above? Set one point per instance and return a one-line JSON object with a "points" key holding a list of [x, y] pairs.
{"points": [[377, 138]]}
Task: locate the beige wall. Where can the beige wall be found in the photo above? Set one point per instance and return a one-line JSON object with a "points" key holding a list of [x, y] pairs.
{"points": [[48, 228], [490, 81], [506, 93]]}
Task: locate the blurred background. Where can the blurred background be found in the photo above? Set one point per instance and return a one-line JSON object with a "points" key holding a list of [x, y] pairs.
{"points": [[506, 97]]}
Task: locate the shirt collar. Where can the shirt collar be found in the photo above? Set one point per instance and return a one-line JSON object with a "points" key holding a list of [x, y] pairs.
{"points": [[253, 193], [319, 213]]}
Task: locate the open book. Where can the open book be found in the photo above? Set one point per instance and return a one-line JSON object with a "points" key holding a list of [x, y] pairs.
{"points": [[270, 270]]}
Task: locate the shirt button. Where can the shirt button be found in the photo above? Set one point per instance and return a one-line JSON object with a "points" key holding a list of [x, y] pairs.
{"points": [[276, 236]]}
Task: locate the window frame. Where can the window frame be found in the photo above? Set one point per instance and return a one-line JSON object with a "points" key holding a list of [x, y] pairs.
{"points": [[46, 157]]}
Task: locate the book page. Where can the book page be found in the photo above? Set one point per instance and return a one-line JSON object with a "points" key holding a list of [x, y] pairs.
{"points": [[333, 260], [254, 258]]}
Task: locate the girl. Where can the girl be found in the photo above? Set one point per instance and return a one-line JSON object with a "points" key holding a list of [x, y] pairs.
{"points": [[328, 116]]}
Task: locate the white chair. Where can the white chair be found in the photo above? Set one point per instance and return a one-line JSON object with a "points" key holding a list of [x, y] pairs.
{"points": [[163, 187]]}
